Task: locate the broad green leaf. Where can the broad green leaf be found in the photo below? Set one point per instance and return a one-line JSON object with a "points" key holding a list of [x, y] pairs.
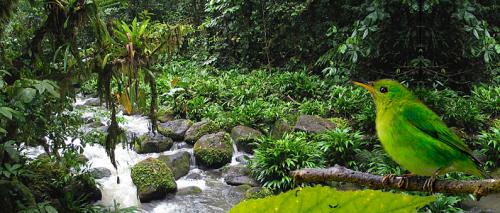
{"points": [[144, 25], [326, 199], [6, 112], [26, 95], [354, 57], [105, 60], [486, 57], [40, 88], [50, 209], [342, 48], [476, 34], [50, 87]]}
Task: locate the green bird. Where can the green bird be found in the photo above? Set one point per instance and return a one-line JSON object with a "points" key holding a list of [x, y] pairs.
{"points": [[415, 137]]}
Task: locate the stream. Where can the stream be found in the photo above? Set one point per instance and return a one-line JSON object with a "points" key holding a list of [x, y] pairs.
{"points": [[216, 195]]}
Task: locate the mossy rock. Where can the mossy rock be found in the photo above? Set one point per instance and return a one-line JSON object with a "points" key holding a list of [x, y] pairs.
{"points": [[246, 138], [100, 172], [178, 163], [313, 124], [279, 129], [238, 175], [13, 193], [153, 178], [48, 172], [198, 129], [190, 190], [175, 129], [165, 114], [257, 192], [213, 150], [152, 143], [340, 122]]}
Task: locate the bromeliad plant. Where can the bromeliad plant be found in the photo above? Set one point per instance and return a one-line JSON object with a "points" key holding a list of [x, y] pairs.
{"points": [[127, 65]]}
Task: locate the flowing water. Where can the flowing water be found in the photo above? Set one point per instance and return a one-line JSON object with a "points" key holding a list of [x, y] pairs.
{"points": [[216, 195]]}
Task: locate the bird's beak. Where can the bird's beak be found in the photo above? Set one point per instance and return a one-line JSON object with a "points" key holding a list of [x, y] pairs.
{"points": [[368, 86]]}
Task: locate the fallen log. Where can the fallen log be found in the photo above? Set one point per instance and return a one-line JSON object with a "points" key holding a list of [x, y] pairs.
{"points": [[415, 183]]}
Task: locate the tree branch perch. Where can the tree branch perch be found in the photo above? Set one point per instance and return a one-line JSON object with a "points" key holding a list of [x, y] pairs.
{"points": [[341, 174]]}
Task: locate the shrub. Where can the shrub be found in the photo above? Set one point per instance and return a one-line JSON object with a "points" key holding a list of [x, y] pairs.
{"points": [[489, 142], [487, 99], [339, 145], [443, 204], [354, 103], [456, 110], [376, 161], [274, 159], [313, 107]]}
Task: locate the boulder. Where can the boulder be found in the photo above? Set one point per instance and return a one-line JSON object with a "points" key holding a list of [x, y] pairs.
{"points": [[152, 143], [189, 190], [280, 127], [238, 175], [92, 102], [100, 172], [199, 129], [165, 115], [245, 138], [177, 162], [175, 129], [153, 178], [194, 175], [313, 124], [213, 150], [165, 118], [257, 192], [243, 159]]}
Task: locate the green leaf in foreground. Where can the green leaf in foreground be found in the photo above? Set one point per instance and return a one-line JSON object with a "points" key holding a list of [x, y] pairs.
{"points": [[326, 199]]}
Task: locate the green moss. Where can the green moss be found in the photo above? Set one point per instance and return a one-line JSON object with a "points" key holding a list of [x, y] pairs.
{"points": [[199, 129], [45, 173], [178, 165], [340, 122], [214, 157], [166, 131], [153, 173], [257, 192]]}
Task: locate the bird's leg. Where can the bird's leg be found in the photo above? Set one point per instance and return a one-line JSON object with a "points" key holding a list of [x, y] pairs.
{"points": [[404, 180], [429, 183], [388, 178]]}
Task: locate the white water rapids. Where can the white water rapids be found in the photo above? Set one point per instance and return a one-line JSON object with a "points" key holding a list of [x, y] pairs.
{"points": [[216, 195]]}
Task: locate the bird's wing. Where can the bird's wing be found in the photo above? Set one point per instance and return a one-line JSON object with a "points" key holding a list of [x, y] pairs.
{"points": [[428, 122]]}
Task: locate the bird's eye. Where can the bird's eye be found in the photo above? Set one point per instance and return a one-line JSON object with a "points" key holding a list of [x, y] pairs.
{"points": [[383, 89]]}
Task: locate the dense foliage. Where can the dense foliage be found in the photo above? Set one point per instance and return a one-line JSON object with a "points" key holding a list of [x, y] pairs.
{"points": [[237, 63]]}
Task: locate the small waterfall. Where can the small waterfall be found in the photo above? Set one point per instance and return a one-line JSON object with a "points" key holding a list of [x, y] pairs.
{"points": [[192, 160], [236, 154]]}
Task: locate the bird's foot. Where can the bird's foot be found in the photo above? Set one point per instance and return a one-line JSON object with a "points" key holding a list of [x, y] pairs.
{"points": [[404, 180], [429, 184], [388, 178]]}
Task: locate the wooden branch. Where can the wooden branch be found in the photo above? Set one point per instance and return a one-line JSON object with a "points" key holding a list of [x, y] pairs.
{"points": [[341, 174]]}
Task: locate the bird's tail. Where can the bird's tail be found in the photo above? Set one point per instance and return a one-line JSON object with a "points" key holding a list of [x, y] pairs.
{"points": [[480, 173], [485, 175]]}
